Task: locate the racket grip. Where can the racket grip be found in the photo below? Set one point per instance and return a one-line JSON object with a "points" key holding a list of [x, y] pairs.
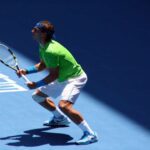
{"points": [[25, 78]]}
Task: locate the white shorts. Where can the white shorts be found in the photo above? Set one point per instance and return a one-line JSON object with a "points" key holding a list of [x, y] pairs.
{"points": [[68, 90]]}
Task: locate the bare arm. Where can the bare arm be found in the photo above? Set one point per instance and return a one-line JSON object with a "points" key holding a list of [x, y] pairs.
{"points": [[40, 66], [53, 75]]}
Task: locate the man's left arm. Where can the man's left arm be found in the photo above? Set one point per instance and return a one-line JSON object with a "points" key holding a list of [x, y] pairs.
{"points": [[52, 76]]}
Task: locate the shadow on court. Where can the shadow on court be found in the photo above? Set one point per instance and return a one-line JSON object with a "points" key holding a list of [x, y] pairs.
{"points": [[37, 137]]}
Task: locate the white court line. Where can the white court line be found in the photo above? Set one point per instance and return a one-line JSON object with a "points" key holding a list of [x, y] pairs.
{"points": [[8, 85]]}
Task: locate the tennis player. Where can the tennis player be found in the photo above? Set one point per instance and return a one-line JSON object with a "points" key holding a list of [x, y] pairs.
{"points": [[66, 78]]}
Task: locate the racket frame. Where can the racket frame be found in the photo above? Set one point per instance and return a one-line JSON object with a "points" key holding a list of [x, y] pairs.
{"points": [[16, 68]]}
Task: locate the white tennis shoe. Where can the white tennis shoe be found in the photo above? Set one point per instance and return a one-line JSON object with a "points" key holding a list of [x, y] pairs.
{"points": [[62, 121], [87, 138]]}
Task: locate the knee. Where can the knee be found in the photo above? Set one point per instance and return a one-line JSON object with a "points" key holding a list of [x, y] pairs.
{"points": [[64, 107], [37, 98]]}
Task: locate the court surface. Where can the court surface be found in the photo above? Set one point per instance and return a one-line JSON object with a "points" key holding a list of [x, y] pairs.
{"points": [[21, 121]]}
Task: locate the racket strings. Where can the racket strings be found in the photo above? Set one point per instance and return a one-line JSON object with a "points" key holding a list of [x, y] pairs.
{"points": [[4, 53], [6, 56], [10, 61]]}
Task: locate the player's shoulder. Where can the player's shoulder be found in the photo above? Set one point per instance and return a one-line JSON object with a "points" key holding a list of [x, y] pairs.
{"points": [[55, 44], [52, 48], [56, 47]]}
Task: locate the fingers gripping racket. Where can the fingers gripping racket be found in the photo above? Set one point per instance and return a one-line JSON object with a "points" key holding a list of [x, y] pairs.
{"points": [[8, 58]]}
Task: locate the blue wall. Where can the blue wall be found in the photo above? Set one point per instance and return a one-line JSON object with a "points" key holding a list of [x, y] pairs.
{"points": [[109, 38]]}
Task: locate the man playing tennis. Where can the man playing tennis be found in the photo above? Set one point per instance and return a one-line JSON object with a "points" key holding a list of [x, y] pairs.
{"points": [[66, 78]]}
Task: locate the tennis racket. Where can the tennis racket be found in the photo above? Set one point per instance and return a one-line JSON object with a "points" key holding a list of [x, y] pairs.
{"points": [[8, 58]]}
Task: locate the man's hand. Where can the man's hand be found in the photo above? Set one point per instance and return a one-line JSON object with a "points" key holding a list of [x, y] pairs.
{"points": [[31, 85], [20, 72]]}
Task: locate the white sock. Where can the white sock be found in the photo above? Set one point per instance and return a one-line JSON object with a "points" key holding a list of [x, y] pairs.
{"points": [[85, 127], [57, 113]]}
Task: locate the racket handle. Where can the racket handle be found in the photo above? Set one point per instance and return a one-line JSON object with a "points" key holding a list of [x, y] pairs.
{"points": [[25, 78]]}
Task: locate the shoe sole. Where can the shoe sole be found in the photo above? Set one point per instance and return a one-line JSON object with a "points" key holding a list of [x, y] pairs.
{"points": [[86, 143], [57, 125]]}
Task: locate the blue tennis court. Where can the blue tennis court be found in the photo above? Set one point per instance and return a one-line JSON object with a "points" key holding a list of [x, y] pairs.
{"points": [[22, 119], [111, 41]]}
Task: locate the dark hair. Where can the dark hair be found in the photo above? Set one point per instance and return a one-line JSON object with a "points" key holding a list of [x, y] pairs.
{"points": [[47, 27]]}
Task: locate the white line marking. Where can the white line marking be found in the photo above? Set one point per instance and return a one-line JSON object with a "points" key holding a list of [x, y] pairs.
{"points": [[8, 85]]}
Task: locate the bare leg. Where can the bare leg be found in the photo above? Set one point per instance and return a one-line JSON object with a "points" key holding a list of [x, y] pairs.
{"points": [[48, 104], [74, 115]]}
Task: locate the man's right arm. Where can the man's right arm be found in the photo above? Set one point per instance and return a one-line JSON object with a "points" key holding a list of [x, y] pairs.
{"points": [[40, 66], [37, 67]]}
